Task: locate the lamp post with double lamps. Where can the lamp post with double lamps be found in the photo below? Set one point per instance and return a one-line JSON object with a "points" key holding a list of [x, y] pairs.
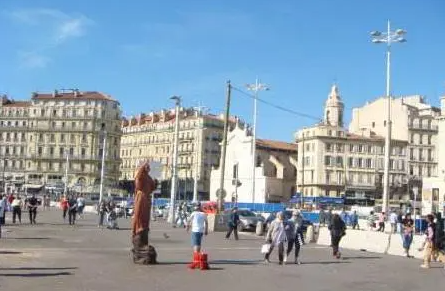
{"points": [[255, 88], [387, 37], [174, 183]]}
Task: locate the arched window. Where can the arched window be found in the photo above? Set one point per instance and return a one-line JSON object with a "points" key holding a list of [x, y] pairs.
{"points": [[258, 161]]}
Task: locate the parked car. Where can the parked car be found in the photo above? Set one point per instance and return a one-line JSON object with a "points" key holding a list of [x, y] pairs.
{"points": [[248, 219]]}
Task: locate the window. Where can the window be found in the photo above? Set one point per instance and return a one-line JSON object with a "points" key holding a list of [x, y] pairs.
{"points": [[360, 162], [412, 138], [83, 151], [384, 123], [420, 154], [411, 154], [73, 124], [373, 124], [351, 148], [328, 147], [328, 177], [62, 137], [430, 155], [368, 163], [351, 162], [39, 150], [51, 138], [391, 164], [51, 151], [420, 171], [63, 124], [429, 139], [327, 160], [258, 161], [72, 138], [61, 151], [360, 148], [71, 151], [421, 139], [339, 161]]}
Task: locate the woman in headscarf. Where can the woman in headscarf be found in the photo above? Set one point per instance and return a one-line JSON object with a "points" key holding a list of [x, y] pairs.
{"points": [[143, 253], [337, 228]]}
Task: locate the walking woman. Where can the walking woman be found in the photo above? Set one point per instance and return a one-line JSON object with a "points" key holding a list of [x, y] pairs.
{"points": [[338, 230], [276, 236], [294, 234], [407, 233], [64, 206]]}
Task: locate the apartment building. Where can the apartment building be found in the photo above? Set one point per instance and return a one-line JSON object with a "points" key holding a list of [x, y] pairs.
{"points": [[413, 121], [433, 193], [39, 136], [150, 137], [334, 162]]}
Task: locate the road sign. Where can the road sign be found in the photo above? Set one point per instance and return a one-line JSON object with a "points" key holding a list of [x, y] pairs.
{"points": [[221, 193]]}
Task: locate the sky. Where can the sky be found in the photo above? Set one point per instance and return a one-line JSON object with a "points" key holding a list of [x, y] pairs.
{"points": [[143, 52]]}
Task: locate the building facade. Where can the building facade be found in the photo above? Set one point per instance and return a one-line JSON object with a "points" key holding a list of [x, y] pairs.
{"points": [[151, 137], [275, 169], [334, 162], [413, 121], [433, 194], [59, 132]]}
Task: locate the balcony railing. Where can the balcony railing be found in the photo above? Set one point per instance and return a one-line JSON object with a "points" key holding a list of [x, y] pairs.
{"points": [[423, 126]]}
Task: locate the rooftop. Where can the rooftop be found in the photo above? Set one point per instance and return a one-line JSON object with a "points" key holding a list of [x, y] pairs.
{"points": [[72, 94], [13, 103], [274, 144]]}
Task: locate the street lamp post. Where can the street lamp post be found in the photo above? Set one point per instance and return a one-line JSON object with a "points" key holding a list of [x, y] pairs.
{"points": [[66, 173], [255, 88], [171, 216], [102, 170], [388, 37]]}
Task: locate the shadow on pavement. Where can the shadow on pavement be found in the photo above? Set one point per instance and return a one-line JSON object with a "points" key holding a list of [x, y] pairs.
{"points": [[31, 275], [10, 253], [325, 263], [236, 262], [27, 238], [362, 258], [35, 269]]}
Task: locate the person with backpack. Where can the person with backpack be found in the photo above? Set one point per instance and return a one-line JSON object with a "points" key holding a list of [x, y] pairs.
{"points": [[233, 223], [72, 210], [337, 228]]}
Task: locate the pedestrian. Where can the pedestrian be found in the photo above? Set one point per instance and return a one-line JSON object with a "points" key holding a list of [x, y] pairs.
{"points": [[338, 230], [393, 221], [45, 202], [102, 209], [233, 223], [399, 221], [112, 216], [276, 236], [3, 209], [64, 206], [143, 252], [439, 239], [354, 220], [294, 234], [32, 204], [429, 243], [407, 233], [80, 205], [382, 219], [72, 209], [328, 217], [344, 216], [17, 205], [322, 217], [371, 221], [199, 225]]}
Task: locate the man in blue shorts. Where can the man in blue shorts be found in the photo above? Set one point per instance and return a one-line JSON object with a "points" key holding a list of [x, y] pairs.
{"points": [[199, 225]]}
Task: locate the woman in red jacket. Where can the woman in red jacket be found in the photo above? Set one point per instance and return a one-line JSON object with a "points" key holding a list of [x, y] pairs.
{"points": [[64, 206]]}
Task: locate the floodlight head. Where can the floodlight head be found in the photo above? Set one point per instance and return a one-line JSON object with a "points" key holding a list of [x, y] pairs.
{"points": [[176, 98], [376, 33], [376, 40], [400, 32], [401, 39]]}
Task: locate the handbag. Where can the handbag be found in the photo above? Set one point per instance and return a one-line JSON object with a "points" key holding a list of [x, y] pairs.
{"points": [[265, 248]]}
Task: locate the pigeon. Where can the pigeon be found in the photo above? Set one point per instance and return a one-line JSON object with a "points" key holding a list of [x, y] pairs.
{"points": [[166, 236]]}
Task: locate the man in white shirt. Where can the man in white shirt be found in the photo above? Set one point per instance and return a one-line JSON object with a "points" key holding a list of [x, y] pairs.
{"points": [[199, 225], [393, 221]]}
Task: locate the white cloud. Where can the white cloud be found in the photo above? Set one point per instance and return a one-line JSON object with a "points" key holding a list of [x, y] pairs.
{"points": [[33, 60], [50, 28]]}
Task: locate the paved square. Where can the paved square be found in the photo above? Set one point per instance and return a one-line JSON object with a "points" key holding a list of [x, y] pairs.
{"points": [[55, 256]]}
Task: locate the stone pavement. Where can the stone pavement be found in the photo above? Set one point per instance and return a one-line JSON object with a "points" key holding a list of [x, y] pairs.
{"points": [[55, 256]]}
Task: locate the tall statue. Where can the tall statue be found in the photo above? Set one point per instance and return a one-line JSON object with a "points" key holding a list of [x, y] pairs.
{"points": [[143, 253]]}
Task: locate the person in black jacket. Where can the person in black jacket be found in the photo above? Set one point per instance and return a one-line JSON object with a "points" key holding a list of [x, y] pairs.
{"points": [[233, 224], [338, 230], [439, 239], [32, 204], [72, 210]]}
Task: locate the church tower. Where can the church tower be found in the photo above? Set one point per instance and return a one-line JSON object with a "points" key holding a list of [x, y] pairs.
{"points": [[333, 112]]}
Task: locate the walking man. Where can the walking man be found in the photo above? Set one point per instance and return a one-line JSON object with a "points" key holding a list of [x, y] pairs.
{"points": [[354, 220], [72, 210], [233, 224], [17, 205], [381, 222], [294, 235], [393, 221], [338, 230], [32, 208]]}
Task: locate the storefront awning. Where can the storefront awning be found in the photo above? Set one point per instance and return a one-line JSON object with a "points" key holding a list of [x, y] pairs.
{"points": [[33, 186]]}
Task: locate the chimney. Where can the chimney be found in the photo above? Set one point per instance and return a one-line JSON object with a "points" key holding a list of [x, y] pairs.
{"points": [[55, 93], [76, 93]]}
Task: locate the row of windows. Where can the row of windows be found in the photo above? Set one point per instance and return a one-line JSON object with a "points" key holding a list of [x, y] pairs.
{"points": [[366, 163], [421, 139], [16, 136], [12, 123], [421, 154], [13, 164]]}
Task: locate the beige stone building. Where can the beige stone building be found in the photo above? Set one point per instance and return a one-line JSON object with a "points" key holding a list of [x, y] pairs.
{"points": [[275, 169], [150, 137], [413, 121], [433, 194], [37, 135], [334, 162]]}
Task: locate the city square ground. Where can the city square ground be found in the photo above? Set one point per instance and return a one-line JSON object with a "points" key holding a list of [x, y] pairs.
{"points": [[55, 256]]}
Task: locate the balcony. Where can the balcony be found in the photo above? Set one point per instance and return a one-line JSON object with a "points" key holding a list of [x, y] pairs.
{"points": [[63, 157], [64, 128], [423, 127]]}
